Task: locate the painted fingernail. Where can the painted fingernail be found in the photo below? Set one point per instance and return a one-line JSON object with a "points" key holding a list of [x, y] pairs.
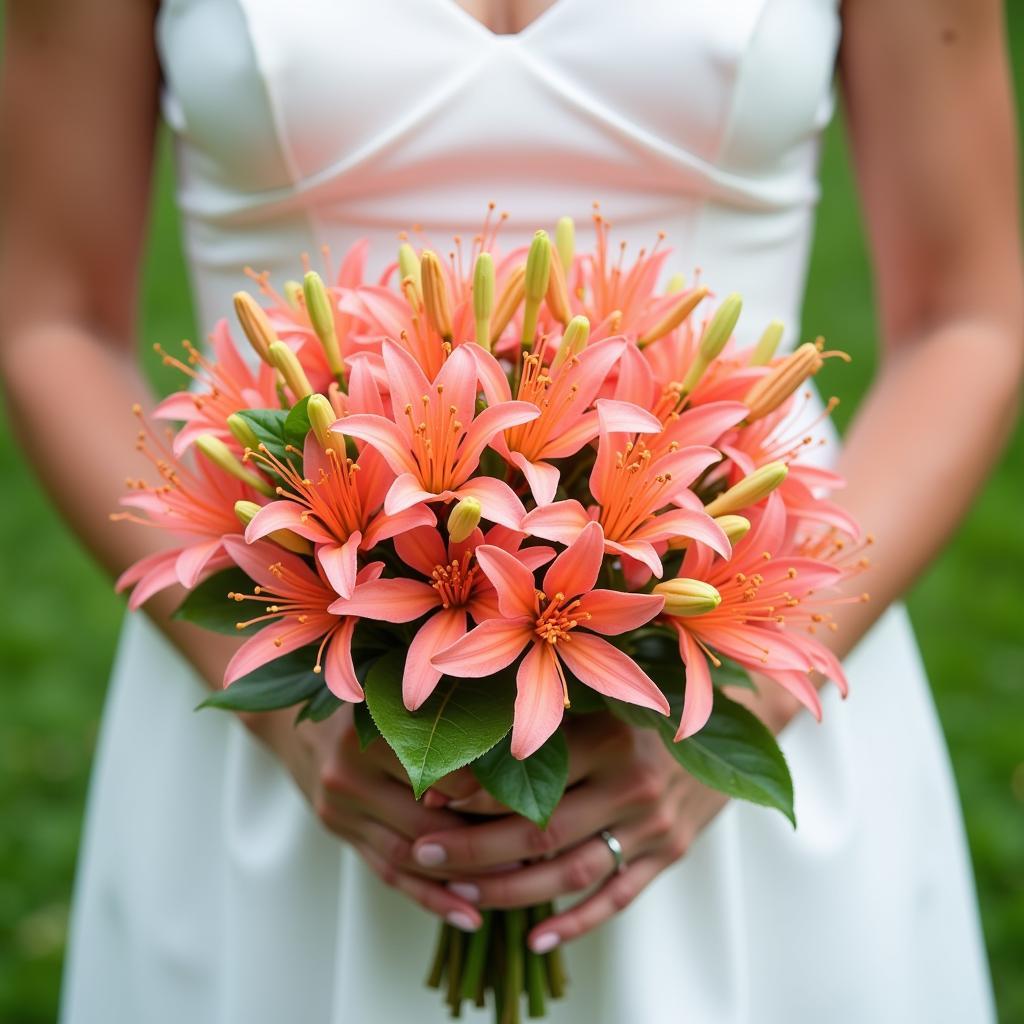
{"points": [[545, 942], [467, 890], [430, 855], [462, 921]]}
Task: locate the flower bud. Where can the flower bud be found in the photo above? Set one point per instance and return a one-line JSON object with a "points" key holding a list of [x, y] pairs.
{"points": [[320, 310], [242, 432], [749, 491], [686, 597], [293, 294], [464, 519], [557, 297], [254, 324], [435, 295], [565, 242], [765, 348], [782, 380], [734, 527], [717, 332], [676, 283], [679, 311], [483, 298], [574, 340], [321, 418], [246, 512], [224, 458], [538, 273], [409, 266], [286, 362], [508, 302]]}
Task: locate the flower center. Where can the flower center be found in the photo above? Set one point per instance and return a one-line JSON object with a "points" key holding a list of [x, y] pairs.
{"points": [[637, 491], [559, 618], [435, 440], [554, 396], [454, 582]]}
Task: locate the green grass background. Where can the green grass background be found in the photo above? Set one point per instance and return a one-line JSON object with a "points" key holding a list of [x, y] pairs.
{"points": [[59, 621]]}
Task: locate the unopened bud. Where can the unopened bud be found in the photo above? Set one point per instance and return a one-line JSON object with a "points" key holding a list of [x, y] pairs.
{"points": [[766, 345], [782, 380], [435, 295], [293, 294], [464, 519], [538, 273], [685, 305], [685, 597], [246, 512], [242, 432], [565, 242], [321, 315], [749, 491], [409, 266], [508, 302], [254, 324], [717, 332], [574, 340], [286, 362], [224, 458], [676, 283], [734, 527], [557, 297], [483, 298], [321, 417]]}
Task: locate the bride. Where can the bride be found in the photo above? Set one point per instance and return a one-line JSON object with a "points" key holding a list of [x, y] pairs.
{"points": [[244, 870]]}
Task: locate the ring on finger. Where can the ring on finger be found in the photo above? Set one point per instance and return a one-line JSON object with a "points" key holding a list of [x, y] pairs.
{"points": [[615, 848]]}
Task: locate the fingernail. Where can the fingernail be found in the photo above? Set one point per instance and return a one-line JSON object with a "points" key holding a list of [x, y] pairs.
{"points": [[430, 855], [543, 943], [467, 890], [462, 921]]}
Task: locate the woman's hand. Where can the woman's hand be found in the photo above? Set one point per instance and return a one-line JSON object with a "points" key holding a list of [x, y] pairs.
{"points": [[364, 798], [622, 780]]}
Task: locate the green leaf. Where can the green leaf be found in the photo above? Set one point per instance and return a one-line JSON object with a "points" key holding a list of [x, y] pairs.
{"points": [[269, 427], [734, 753], [320, 706], [296, 423], [531, 787], [366, 728], [731, 673], [278, 684], [462, 719], [208, 605]]}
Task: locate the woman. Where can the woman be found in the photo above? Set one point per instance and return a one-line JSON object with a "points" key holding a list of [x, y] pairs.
{"points": [[209, 890]]}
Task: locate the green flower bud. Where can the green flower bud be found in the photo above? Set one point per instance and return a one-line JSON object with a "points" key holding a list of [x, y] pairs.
{"points": [[321, 417], [749, 491], [574, 340], [246, 512], [716, 334], [224, 458], [321, 315], [254, 323], [676, 283], [565, 242], [483, 298], [765, 348], [464, 519], [286, 362], [734, 527], [685, 597], [435, 295], [679, 311], [242, 432], [409, 266], [293, 294], [538, 271]]}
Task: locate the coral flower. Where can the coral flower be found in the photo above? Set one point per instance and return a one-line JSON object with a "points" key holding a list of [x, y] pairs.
{"points": [[763, 590], [227, 386], [436, 439], [296, 602], [197, 503], [558, 624], [336, 503], [636, 494], [457, 589]]}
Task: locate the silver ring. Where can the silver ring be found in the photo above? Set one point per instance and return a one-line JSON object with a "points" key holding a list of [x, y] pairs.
{"points": [[616, 850]]}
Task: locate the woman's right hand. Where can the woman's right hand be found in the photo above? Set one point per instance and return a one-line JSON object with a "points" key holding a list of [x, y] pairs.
{"points": [[364, 797]]}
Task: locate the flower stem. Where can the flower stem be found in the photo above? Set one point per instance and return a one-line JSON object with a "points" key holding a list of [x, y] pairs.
{"points": [[456, 948], [444, 935], [515, 921], [476, 958]]}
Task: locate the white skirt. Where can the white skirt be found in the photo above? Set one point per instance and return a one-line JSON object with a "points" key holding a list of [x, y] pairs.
{"points": [[207, 892]]}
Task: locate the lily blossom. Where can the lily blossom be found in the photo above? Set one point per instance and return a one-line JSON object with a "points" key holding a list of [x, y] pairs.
{"points": [[436, 438], [456, 590], [763, 589], [558, 623], [637, 496], [295, 601]]}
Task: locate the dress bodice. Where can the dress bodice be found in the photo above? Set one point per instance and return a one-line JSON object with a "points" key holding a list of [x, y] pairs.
{"points": [[322, 121]]}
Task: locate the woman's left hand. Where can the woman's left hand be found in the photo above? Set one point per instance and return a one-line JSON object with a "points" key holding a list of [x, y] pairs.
{"points": [[623, 781]]}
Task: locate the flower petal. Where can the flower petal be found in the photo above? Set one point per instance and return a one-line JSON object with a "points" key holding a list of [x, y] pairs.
{"points": [[339, 672], [338, 562], [437, 633], [286, 515], [493, 420], [541, 476], [273, 641], [422, 548], [511, 579], [383, 435], [405, 492], [700, 693], [561, 521], [256, 559], [388, 600], [539, 701], [682, 522], [486, 649], [193, 560], [498, 502], [575, 570], [613, 612], [606, 669]]}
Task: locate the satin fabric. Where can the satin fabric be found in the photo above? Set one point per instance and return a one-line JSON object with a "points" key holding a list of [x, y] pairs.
{"points": [[207, 891]]}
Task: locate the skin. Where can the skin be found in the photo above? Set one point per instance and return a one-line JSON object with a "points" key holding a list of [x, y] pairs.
{"points": [[932, 132]]}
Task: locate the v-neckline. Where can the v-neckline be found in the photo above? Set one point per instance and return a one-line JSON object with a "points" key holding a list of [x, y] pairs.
{"points": [[524, 33]]}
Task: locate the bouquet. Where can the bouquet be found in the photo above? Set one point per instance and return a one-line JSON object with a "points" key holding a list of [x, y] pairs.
{"points": [[487, 492]]}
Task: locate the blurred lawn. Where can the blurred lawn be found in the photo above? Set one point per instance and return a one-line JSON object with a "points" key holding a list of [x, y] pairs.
{"points": [[58, 626]]}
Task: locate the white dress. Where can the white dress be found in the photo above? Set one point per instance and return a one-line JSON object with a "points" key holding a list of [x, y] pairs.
{"points": [[207, 893]]}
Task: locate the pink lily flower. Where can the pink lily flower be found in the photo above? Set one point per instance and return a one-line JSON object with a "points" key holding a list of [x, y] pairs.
{"points": [[457, 589], [558, 623], [436, 439], [564, 396], [335, 503], [228, 385], [763, 590], [637, 497], [195, 503], [296, 602]]}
